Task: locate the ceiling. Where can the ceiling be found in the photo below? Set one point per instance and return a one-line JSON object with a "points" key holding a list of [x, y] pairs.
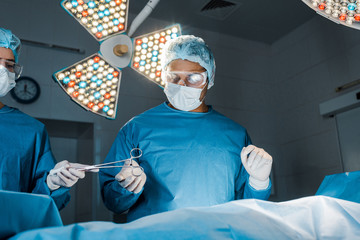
{"points": [[257, 20]]}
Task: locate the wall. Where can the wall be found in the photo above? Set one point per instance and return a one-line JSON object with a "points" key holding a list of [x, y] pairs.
{"points": [[306, 67], [243, 89]]}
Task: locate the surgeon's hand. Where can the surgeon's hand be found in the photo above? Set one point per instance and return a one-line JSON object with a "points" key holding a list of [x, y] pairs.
{"points": [[64, 175], [127, 179], [258, 164]]}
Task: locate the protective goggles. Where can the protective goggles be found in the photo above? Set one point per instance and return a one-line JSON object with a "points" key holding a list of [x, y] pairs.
{"points": [[189, 79], [11, 67]]}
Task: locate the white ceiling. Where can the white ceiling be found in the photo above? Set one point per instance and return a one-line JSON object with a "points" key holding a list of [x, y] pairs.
{"points": [[258, 20]]}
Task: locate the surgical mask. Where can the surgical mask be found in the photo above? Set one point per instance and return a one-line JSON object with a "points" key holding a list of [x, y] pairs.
{"points": [[7, 81], [182, 97]]}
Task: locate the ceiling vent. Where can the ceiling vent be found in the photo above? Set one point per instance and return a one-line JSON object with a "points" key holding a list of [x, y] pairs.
{"points": [[220, 9]]}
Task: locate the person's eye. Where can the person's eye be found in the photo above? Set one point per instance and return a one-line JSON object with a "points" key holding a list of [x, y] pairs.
{"points": [[195, 78], [10, 66], [174, 77]]}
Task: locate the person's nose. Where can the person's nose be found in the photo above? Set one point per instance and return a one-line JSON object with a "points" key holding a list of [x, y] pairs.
{"points": [[181, 82]]}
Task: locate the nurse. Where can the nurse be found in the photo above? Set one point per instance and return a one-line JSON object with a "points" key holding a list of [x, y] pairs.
{"points": [[25, 155], [192, 155]]}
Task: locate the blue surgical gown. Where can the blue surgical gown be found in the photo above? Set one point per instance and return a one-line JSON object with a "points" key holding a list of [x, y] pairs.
{"points": [[190, 159], [25, 156]]}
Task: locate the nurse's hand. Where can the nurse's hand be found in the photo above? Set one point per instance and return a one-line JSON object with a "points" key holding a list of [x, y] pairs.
{"points": [[258, 164], [63, 175], [133, 179]]}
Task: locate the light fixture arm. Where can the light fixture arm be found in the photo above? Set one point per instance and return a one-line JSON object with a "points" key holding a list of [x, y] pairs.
{"points": [[142, 16]]}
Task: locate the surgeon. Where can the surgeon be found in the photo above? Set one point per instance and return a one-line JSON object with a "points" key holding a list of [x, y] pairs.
{"points": [[25, 155], [193, 156]]}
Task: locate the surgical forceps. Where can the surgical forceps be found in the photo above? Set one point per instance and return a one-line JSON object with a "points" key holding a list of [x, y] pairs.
{"points": [[96, 167]]}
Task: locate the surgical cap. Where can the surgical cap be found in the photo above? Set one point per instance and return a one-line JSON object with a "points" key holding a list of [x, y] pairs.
{"points": [[191, 48], [9, 40]]}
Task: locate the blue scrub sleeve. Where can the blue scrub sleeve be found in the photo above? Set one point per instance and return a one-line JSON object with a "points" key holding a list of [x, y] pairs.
{"points": [[115, 197], [243, 188], [45, 163]]}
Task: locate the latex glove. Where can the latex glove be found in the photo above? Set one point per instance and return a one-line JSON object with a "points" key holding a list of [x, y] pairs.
{"points": [[64, 175], [127, 180], [258, 165]]}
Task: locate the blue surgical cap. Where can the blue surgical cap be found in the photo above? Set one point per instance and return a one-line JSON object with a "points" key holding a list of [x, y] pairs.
{"points": [[191, 48], [9, 40]]}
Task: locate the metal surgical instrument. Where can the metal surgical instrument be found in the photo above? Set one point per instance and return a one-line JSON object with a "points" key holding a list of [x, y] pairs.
{"points": [[91, 168]]}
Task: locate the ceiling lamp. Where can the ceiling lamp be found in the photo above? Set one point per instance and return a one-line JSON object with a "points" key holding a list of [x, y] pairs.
{"points": [[94, 82], [346, 12]]}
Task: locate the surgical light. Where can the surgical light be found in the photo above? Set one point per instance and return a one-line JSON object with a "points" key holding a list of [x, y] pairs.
{"points": [[146, 59], [345, 12], [101, 18], [94, 82]]}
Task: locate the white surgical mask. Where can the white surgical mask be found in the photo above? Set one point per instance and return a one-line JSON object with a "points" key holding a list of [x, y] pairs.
{"points": [[7, 81], [182, 97]]}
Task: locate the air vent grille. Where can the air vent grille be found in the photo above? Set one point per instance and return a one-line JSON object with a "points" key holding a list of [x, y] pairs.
{"points": [[220, 9], [215, 4]]}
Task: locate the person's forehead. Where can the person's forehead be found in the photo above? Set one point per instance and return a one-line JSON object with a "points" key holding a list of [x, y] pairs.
{"points": [[184, 65], [6, 53]]}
